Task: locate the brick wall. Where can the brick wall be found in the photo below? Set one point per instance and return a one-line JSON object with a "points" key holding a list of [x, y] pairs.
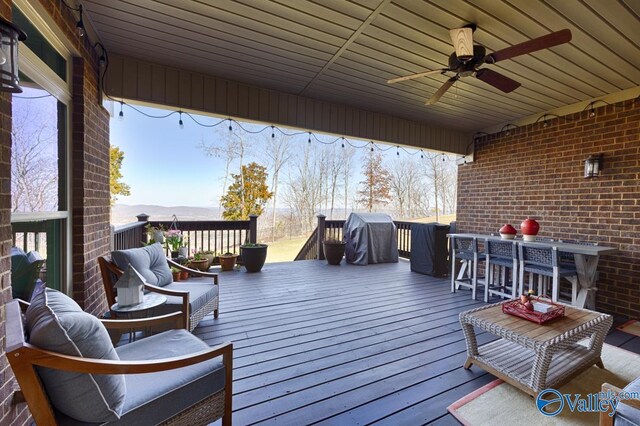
{"points": [[90, 204], [538, 172]]}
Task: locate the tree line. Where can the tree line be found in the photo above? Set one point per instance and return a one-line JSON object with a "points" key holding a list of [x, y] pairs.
{"points": [[263, 171]]}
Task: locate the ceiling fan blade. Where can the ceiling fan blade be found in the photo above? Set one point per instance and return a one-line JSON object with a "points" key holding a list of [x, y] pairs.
{"points": [[533, 45], [436, 96], [462, 39], [497, 80], [420, 74]]}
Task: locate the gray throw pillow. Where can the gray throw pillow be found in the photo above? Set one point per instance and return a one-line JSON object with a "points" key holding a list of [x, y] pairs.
{"points": [[150, 261], [56, 323]]}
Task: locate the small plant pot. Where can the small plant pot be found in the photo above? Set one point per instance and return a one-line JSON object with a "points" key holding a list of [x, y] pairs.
{"points": [[253, 256], [184, 275], [176, 276], [200, 265], [333, 251], [227, 261], [209, 257]]}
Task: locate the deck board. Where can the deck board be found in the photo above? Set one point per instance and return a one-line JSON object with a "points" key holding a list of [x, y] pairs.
{"points": [[344, 344]]}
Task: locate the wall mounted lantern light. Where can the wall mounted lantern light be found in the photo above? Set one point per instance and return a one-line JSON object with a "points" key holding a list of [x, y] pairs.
{"points": [[10, 36], [593, 166]]}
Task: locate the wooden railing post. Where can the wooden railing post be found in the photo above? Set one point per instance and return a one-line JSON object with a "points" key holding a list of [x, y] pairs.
{"points": [[321, 232], [111, 238], [142, 217], [253, 228]]}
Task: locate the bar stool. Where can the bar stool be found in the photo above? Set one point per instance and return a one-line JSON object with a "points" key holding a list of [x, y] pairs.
{"points": [[541, 261], [465, 250], [501, 268]]}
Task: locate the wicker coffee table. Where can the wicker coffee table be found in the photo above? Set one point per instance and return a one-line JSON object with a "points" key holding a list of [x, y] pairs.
{"points": [[535, 357]]}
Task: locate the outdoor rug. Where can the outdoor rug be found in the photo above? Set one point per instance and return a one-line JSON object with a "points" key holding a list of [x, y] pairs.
{"points": [[631, 327], [499, 403]]}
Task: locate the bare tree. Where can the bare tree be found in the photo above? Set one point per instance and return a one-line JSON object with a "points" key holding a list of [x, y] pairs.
{"points": [[375, 188], [278, 152], [232, 147], [347, 160], [304, 190], [34, 159]]}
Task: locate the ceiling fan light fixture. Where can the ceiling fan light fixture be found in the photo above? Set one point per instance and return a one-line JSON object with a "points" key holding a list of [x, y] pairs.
{"points": [[462, 39]]}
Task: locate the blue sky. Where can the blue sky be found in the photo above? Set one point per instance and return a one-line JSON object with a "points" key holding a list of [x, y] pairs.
{"points": [[162, 163]]}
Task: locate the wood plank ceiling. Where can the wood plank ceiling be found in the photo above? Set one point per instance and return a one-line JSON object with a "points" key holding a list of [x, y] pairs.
{"points": [[345, 51]]}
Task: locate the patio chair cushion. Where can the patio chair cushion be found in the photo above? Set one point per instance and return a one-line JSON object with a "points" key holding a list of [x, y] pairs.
{"points": [[626, 414], [150, 261], [56, 323], [154, 397], [25, 268], [201, 292]]}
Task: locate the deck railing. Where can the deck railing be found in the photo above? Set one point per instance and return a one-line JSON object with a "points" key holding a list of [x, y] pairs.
{"points": [[219, 236], [332, 229]]}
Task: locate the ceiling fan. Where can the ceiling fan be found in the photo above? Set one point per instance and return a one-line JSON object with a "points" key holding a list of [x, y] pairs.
{"points": [[468, 58]]}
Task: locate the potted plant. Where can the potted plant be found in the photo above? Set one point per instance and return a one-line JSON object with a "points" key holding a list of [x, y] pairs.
{"points": [[227, 261], [198, 262], [184, 275], [175, 272], [253, 256], [154, 234], [209, 255], [173, 241], [333, 251]]}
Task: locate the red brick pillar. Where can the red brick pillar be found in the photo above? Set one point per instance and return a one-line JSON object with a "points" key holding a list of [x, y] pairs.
{"points": [[90, 187]]}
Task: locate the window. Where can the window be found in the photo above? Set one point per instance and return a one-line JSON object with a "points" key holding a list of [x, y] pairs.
{"points": [[39, 159]]}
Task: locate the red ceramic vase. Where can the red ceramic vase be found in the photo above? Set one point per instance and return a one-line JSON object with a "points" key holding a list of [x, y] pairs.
{"points": [[529, 228], [508, 232]]}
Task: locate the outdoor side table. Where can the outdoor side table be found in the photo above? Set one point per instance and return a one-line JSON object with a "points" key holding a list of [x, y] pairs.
{"points": [[141, 310], [535, 357]]}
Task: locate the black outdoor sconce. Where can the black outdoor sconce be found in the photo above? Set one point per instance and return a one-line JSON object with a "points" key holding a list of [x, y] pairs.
{"points": [[593, 166], [10, 36]]}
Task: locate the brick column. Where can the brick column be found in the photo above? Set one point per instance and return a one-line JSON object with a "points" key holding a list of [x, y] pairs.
{"points": [[90, 187]]}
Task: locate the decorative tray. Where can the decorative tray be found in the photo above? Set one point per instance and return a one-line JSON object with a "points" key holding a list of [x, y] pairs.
{"points": [[515, 307]]}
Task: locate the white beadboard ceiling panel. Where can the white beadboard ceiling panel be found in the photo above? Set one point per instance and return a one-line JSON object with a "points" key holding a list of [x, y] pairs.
{"points": [[345, 51]]}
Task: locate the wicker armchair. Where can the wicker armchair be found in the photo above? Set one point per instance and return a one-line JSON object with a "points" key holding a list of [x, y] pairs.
{"points": [[196, 404], [198, 296]]}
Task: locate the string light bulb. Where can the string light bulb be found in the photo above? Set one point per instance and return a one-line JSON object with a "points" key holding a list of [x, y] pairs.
{"points": [[273, 135], [342, 142], [398, 151], [180, 122], [592, 112], [309, 140], [121, 114], [230, 128]]}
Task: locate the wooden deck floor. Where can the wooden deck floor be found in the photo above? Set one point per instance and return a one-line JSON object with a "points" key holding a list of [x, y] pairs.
{"points": [[346, 344]]}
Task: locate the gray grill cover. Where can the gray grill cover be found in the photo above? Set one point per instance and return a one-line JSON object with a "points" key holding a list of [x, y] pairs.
{"points": [[370, 238]]}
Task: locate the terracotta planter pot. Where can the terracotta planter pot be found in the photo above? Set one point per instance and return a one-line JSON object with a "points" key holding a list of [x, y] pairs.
{"points": [[176, 276], [333, 251], [253, 256], [209, 257], [200, 265], [227, 261], [184, 275]]}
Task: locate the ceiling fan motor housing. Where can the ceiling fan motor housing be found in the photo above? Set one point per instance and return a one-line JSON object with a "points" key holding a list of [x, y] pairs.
{"points": [[466, 68]]}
